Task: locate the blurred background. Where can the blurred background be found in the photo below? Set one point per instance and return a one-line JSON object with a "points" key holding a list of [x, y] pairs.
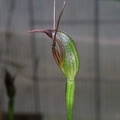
{"points": [[95, 27]]}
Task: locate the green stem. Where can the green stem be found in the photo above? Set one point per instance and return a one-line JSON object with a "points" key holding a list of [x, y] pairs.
{"points": [[69, 95], [11, 109]]}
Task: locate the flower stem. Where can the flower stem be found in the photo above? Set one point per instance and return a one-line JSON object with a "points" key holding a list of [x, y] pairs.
{"points": [[69, 95], [54, 15], [11, 109]]}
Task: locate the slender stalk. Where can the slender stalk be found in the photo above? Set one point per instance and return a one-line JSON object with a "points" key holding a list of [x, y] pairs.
{"points": [[11, 109], [69, 95], [58, 22], [54, 15]]}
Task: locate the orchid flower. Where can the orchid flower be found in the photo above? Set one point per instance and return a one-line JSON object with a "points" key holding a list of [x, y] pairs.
{"points": [[66, 56]]}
